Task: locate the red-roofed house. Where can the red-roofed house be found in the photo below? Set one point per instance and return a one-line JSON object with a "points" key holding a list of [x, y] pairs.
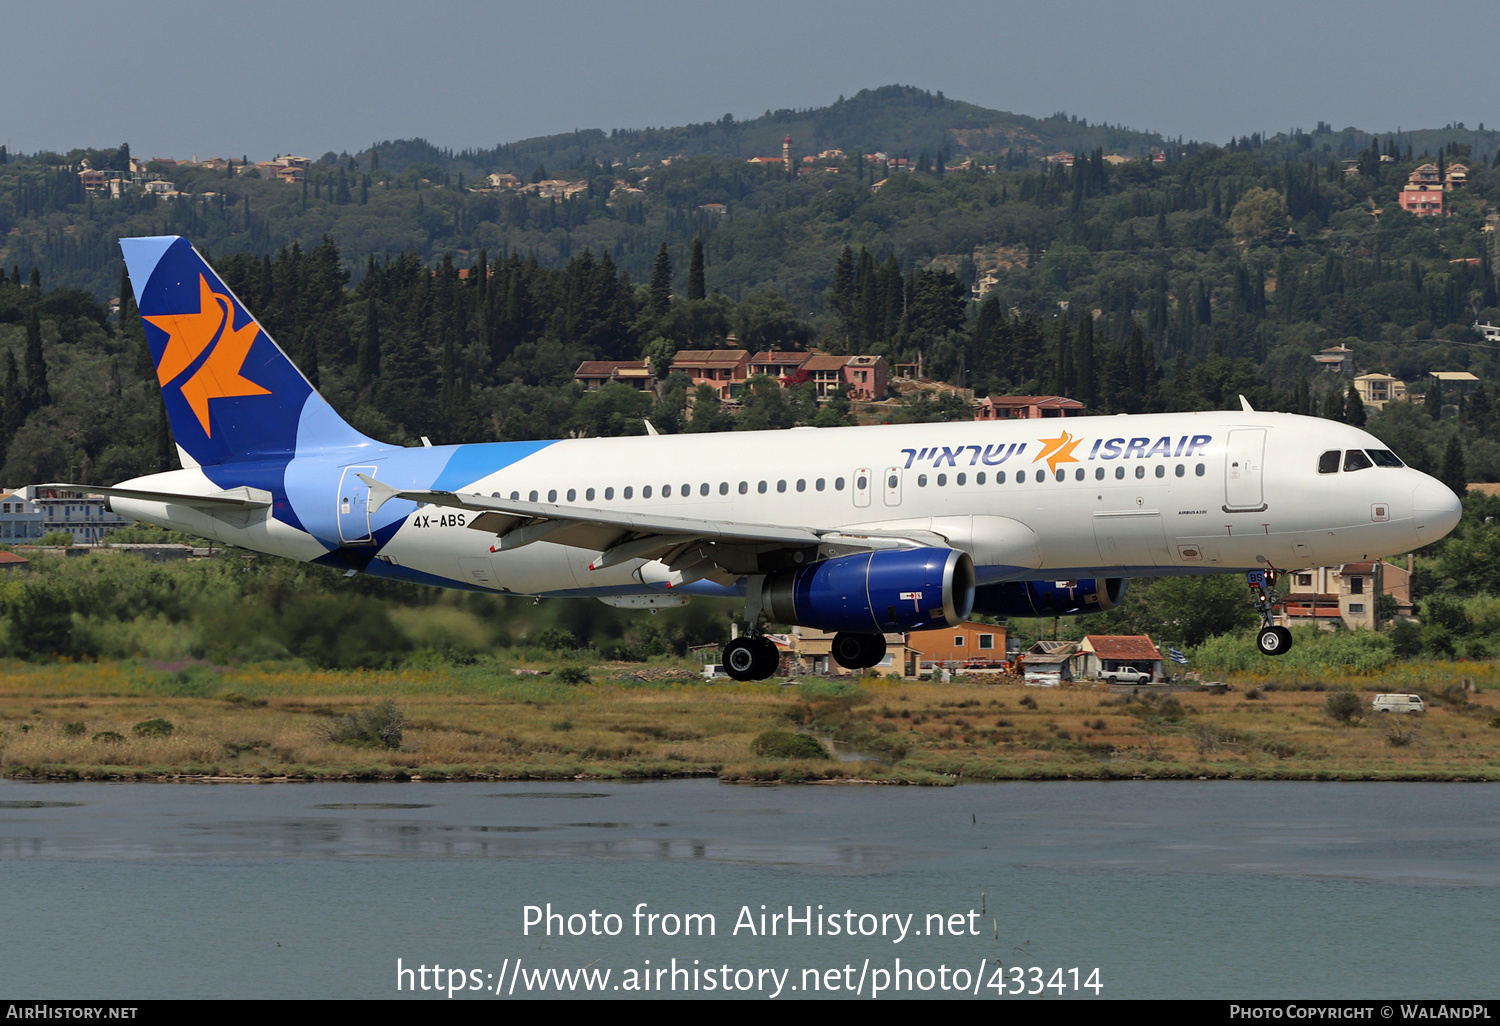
{"points": [[1100, 653], [595, 374], [1027, 407], [724, 370], [779, 364], [11, 561]]}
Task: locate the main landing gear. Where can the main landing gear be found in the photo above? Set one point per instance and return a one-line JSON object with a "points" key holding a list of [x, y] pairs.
{"points": [[751, 658], [1272, 640], [858, 651]]}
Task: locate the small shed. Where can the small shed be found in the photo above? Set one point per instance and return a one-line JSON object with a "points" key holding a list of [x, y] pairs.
{"points": [[1049, 663]]}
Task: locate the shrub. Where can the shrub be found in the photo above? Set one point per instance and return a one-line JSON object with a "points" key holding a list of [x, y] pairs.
{"points": [[108, 737], [75, 729], [379, 726], [157, 727], [1344, 706], [574, 675], [783, 744]]}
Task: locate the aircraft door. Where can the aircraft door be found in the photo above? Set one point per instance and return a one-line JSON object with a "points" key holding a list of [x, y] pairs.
{"points": [[354, 506], [1243, 457], [862, 487], [892, 478]]}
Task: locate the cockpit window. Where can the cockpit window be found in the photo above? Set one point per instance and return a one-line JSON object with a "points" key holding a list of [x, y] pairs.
{"points": [[1385, 458], [1355, 459], [1328, 463]]}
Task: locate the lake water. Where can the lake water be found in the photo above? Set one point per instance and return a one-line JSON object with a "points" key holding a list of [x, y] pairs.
{"points": [[1168, 889]]}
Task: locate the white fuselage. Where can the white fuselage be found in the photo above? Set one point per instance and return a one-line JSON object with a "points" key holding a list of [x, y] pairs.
{"points": [[1029, 499]]}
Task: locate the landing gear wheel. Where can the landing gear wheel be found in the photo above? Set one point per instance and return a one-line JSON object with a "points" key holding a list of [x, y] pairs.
{"points": [[742, 657], [858, 651], [767, 658], [1274, 641]]}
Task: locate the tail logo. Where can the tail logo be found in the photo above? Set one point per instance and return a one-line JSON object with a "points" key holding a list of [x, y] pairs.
{"points": [[206, 343]]}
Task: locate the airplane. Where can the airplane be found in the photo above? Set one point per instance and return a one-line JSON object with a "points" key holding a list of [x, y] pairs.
{"points": [[860, 531]]}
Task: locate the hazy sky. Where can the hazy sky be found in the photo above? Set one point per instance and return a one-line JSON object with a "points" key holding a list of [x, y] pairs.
{"points": [[259, 77]]}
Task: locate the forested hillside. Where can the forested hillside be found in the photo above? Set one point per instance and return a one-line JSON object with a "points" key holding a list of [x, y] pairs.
{"points": [[425, 307]]}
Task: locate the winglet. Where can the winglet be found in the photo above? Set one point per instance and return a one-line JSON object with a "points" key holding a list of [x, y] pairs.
{"points": [[1245, 405], [650, 428]]}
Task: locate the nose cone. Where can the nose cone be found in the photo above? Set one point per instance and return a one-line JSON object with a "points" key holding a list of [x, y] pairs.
{"points": [[1436, 510]]}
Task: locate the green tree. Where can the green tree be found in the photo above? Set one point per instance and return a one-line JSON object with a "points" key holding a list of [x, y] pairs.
{"points": [[1452, 472], [695, 287], [1259, 217], [661, 282], [1354, 407]]}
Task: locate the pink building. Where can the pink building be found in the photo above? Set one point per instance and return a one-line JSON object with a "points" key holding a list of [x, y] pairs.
{"points": [[1027, 407], [724, 370]]}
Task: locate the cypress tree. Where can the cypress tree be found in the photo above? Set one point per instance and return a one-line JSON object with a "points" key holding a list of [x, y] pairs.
{"points": [[37, 393], [661, 282], [1354, 407], [1434, 400], [1333, 405], [1452, 471], [696, 288]]}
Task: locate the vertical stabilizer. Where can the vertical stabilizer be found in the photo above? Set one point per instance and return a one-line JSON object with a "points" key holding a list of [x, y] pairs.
{"points": [[231, 393]]}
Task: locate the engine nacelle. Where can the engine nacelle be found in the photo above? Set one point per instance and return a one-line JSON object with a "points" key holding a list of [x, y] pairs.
{"points": [[874, 592], [1050, 598]]}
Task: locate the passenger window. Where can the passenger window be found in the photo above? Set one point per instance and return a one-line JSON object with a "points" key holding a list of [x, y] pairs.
{"points": [[999, 477], [1078, 474], [1355, 459], [781, 486], [572, 494], [532, 497], [761, 487], [1020, 477], [861, 483], [666, 491], [921, 480], [515, 496], [609, 493], [979, 478], [628, 491], [646, 492], [960, 479], [942, 479], [687, 490], [819, 484], [1161, 470], [1181, 470], [1098, 473], [703, 488], [588, 496], [723, 487], [1198, 470], [1140, 471], [802, 485], [1328, 463], [1119, 473], [838, 484], [892, 481], [552, 495], [744, 487]]}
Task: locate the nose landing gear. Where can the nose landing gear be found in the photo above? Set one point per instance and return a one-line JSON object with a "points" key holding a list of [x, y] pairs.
{"points": [[1272, 640]]}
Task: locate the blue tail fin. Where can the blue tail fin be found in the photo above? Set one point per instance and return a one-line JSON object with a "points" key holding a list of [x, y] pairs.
{"points": [[231, 393]]}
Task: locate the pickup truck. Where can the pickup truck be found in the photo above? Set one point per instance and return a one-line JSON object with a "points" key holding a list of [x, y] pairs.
{"points": [[1128, 675]]}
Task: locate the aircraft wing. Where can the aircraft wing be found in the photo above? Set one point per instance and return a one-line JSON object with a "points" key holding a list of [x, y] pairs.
{"points": [[691, 548], [234, 498]]}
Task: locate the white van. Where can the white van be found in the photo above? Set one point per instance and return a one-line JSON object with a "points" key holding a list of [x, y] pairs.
{"points": [[1399, 703]]}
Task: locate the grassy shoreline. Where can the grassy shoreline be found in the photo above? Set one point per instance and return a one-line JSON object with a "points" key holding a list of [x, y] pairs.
{"points": [[63, 721]]}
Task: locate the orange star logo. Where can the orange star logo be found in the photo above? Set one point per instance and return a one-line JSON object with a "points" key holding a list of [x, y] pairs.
{"points": [[211, 328], [1058, 450]]}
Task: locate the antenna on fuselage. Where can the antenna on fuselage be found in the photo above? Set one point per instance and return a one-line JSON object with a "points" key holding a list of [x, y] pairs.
{"points": [[1245, 405]]}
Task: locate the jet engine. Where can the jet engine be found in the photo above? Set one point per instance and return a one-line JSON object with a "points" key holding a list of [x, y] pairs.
{"points": [[874, 592], [1050, 598]]}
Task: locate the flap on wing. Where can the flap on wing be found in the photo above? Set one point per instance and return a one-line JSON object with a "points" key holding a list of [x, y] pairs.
{"points": [[233, 498], [614, 522]]}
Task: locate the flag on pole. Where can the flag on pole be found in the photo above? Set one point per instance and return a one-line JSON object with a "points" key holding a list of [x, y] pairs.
{"points": [[1176, 656]]}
